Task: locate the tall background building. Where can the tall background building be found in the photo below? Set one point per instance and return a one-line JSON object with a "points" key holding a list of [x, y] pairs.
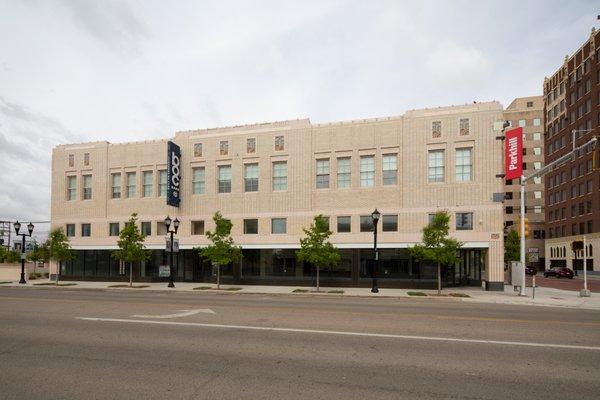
{"points": [[572, 103], [528, 113]]}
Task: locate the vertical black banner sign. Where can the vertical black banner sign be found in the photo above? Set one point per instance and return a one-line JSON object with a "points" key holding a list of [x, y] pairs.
{"points": [[173, 174]]}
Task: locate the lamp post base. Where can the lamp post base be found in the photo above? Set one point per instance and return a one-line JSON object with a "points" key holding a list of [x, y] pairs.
{"points": [[171, 284], [585, 293], [22, 279]]}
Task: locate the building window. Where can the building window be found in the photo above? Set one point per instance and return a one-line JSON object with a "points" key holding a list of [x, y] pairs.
{"points": [[343, 172], [116, 186], [131, 184], [590, 226], [225, 179], [537, 209], [537, 165], [537, 122], [464, 126], [161, 228], [113, 229], [390, 169], [197, 227], [278, 225], [529, 104], [522, 123], [251, 226], [147, 184], [279, 143], [87, 187], [537, 194], [197, 149], [280, 175], [344, 224], [366, 223], [537, 151], [162, 183], [71, 187], [436, 129], [71, 160], [223, 147], [70, 230], [146, 228], [537, 180], [198, 180], [323, 173], [251, 145], [464, 221], [367, 171], [436, 166], [430, 218], [86, 159], [251, 178], [463, 165], [537, 136], [390, 223], [86, 230]]}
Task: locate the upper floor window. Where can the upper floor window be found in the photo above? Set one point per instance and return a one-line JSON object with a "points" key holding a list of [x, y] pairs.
{"points": [[70, 230], [224, 147], [323, 173], [71, 187], [367, 171], [278, 225], [463, 165], [464, 221], [251, 177], [86, 230], [113, 229], [279, 143], [537, 136], [71, 160], [198, 180], [529, 104], [436, 129], [146, 228], [162, 183], [251, 226], [366, 223], [464, 126], [251, 145], [147, 184], [197, 227], [225, 179], [86, 159], [537, 122], [343, 172], [390, 169], [436, 166], [116, 185], [343, 224], [197, 149], [280, 175], [522, 123], [131, 184], [389, 223], [87, 187]]}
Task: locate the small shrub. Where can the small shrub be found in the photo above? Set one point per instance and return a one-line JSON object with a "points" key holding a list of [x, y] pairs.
{"points": [[54, 284], [234, 289], [32, 276], [127, 286], [336, 291], [300, 291], [416, 294], [459, 295], [37, 274], [5, 282], [203, 288], [46, 275]]}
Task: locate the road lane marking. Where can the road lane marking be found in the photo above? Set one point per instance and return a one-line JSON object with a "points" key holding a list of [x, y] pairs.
{"points": [[182, 313], [344, 333]]}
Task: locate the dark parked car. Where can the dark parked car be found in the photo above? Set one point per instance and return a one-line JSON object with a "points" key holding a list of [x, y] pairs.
{"points": [[559, 272], [530, 270]]}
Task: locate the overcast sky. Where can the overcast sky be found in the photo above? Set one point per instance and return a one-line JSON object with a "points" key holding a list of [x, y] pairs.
{"points": [[76, 70]]}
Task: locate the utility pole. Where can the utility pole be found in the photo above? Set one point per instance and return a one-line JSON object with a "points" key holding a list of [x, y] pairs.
{"points": [[541, 172]]}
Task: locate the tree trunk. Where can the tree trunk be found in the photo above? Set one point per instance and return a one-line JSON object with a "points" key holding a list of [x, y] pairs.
{"points": [[130, 274], [218, 276], [317, 278], [439, 279], [57, 271]]}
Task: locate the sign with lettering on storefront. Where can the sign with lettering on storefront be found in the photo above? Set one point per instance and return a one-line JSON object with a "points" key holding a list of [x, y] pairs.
{"points": [[164, 271], [173, 174]]}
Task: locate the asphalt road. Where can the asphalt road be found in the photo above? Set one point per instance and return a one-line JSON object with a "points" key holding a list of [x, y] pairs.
{"points": [[64, 344], [565, 284]]}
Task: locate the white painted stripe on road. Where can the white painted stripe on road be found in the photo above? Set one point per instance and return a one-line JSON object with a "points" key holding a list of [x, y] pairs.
{"points": [[363, 334], [183, 313]]}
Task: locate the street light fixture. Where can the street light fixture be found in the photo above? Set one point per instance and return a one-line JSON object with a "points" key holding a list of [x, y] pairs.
{"points": [[30, 227], [375, 215], [172, 227]]}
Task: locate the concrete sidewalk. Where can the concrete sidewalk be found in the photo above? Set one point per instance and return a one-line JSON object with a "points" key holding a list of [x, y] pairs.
{"points": [[543, 296]]}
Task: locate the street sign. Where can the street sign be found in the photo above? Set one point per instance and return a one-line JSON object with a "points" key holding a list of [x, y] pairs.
{"points": [[175, 245], [534, 254], [164, 271]]}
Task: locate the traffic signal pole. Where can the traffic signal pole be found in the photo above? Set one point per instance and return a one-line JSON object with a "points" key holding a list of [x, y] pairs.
{"points": [[541, 172]]}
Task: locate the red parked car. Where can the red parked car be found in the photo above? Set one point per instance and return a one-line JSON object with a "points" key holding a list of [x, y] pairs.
{"points": [[559, 272]]}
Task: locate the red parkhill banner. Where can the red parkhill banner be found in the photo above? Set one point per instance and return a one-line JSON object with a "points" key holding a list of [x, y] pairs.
{"points": [[513, 153]]}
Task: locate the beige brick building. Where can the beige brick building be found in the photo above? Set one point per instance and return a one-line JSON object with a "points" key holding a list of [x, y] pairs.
{"points": [[271, 179], [528, 113]]}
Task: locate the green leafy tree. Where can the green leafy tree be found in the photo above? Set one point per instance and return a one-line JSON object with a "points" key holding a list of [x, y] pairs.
{"points": [[315, 247], [3, 252], [512, 246], [13, 256], [59, 249], [131, 246], [437, 246], [39, 254], [223, 250]]}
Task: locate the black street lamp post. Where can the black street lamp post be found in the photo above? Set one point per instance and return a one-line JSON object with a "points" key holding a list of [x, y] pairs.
{"points": [[375, 215], [172, 229], [17, 226]]}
